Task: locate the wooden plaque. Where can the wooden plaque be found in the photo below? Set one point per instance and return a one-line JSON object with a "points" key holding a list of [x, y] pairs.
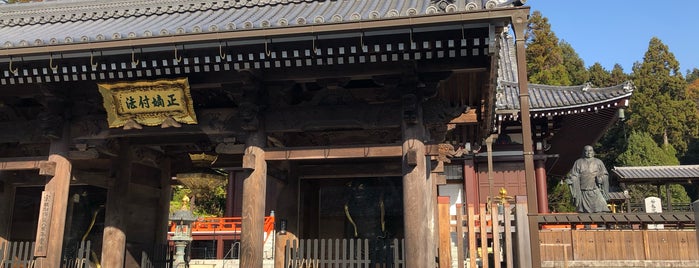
{"points": [[44, 226], [148, 103]]}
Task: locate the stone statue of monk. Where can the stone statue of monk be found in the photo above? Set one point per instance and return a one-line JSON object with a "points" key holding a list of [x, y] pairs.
{"points": [[589, 183]]}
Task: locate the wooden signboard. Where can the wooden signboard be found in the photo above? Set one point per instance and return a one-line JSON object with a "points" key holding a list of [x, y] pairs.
{"points": [[148, 103], [42, 234]]}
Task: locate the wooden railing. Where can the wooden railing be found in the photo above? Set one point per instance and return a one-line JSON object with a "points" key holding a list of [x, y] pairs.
{"points": [[161, 257], [326, 253], [20, 254], [628, 245], [222, 224]]}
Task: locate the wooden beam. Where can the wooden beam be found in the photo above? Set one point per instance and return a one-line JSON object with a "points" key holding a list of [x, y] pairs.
{"points": [[469, 117], [350, 170], [334, 153], [23, 165], [369, 151]]}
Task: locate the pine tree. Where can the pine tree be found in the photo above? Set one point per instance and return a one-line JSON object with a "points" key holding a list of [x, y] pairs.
{"points": [[574, 64], [544, 55], [659, 73], [599, 76], [692, 75], [618, 76], [659, 106]]}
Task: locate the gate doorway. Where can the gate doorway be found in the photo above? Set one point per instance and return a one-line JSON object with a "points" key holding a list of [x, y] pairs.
{"points": [[361, 209]]}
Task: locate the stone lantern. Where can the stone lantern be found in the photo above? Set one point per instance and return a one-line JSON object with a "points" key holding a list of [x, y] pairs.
{"points": [[183, 220]]}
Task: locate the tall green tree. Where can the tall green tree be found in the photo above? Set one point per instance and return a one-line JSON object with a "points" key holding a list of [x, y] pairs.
{"points": [[659, 106], [692, 75], [659, 73], [618, 75], [642, 150], [599, 76], [574, 65], [544, 55]]}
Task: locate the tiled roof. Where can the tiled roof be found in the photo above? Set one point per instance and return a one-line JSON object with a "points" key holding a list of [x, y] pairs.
{"points": [[507, 59], [571, 98], [657, 173], [61, 22], [546, 99]]}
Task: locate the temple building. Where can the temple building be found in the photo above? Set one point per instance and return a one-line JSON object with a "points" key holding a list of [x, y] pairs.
{"points": [[346, 118]]}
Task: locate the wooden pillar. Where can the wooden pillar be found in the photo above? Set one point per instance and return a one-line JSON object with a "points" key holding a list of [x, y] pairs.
{"points": [[234, 193], [219, 247], [50, 230], [519, 23], [115, 221], [164, 203], [542, 197], [668, 197], [254, 191], [419, 240], [7, 197], [489, 145], [230, 194], [471, 191], [695, 208], [52, 214]]}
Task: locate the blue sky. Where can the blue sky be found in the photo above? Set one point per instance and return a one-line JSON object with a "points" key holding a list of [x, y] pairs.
{"points": [[616, 31]]}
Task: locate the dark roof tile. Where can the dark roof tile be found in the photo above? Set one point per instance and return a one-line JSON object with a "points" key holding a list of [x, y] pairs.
{"points": [[544, 98], [90, 20]]}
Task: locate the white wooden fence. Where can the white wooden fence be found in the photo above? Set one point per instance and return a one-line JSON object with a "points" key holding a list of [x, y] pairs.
{"points": [[336, 253]]}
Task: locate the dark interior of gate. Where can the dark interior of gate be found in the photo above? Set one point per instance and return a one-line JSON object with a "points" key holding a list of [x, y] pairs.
{"points": [[351, 88]]}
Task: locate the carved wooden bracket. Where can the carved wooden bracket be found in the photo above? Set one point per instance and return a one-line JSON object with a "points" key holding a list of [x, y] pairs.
{"points": [[47, 168], [447, 151]]}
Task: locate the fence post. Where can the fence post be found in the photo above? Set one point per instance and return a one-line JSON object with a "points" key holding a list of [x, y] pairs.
{"points": [[444, 232], [508, 234], [695, 207], [460, 235], [483, 221], [281, 248], [495, 223], [471, 236], [524, 257]]}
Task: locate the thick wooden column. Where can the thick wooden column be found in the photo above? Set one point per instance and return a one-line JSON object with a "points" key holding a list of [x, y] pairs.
{"points": [[163, 203], [54, 204], [50, 230], [234, 191], [7, 196], [471, 195], [417, 190], [519, 23], [254, 191], [115, 221]]}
